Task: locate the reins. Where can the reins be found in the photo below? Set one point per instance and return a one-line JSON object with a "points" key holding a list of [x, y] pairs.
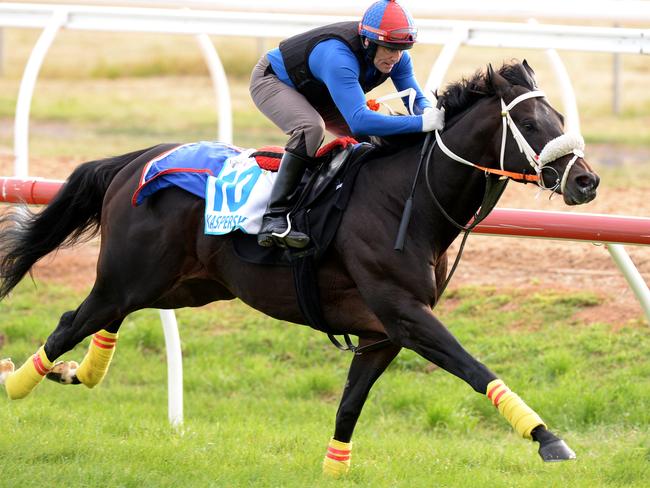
{"points": [[399, 245], [494, 188], [496, 181]]}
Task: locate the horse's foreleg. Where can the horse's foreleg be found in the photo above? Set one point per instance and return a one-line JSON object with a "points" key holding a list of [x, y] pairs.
{"points": [[364, 371], [426, 335], [527, 423]]}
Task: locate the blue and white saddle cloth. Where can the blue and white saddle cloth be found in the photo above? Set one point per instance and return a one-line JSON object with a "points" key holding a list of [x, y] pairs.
{"points": [[235, 188]]}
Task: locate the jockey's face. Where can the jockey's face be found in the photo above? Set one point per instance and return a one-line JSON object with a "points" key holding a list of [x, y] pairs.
{"points": [[386, 58]]}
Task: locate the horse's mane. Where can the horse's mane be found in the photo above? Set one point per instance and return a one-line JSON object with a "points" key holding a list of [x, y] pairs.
{"points": [[461, 95]]}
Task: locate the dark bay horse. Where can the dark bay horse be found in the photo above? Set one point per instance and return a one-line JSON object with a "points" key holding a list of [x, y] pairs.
{"points": [[157, 256]]}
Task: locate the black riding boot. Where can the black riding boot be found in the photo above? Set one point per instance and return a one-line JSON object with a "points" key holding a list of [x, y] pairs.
{"points": [[274, 223]]}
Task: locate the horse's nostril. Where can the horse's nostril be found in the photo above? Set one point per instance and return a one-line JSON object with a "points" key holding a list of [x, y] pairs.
{"points": [[596, 181], [587, 182]]}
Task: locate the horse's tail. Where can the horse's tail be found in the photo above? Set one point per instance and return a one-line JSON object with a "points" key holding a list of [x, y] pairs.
{"points": [[73, 216]]}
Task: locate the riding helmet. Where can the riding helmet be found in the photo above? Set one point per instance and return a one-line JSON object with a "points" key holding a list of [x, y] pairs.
{"points": [[388, 24]]}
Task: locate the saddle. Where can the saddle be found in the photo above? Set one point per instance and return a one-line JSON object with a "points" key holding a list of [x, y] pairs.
{"points": [[323, 195], [319, 201]]}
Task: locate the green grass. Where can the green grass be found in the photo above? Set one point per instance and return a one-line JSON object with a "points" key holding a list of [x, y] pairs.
{"points": [[261, 396]]}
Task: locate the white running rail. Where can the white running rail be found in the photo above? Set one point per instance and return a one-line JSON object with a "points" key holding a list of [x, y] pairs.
{"points": [[619, 11]]}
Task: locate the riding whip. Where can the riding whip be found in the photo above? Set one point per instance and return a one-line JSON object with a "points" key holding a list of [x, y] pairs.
{"points": [[408, 206]]}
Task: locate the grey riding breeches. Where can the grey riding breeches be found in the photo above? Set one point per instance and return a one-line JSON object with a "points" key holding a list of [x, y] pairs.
{"points": [[292, 113]]}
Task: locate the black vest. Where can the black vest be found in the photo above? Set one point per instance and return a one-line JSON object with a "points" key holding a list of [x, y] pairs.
{"points": [[295, 54]]}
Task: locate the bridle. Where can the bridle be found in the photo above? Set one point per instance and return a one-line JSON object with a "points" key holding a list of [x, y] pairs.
{"points": [[553, 150]]}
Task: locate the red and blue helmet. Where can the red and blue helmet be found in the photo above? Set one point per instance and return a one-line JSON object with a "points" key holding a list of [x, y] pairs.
{"points": [[388, 24]]}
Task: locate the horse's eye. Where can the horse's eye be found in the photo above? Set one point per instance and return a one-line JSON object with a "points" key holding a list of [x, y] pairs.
{"points": [[528, 125]]}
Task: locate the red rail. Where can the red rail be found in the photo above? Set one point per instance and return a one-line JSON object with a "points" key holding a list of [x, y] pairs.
{"points": [[564, 225], [33, 191], [502, 221]]}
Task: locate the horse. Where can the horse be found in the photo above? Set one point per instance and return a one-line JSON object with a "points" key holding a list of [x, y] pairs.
{"points": [[499, 125]]}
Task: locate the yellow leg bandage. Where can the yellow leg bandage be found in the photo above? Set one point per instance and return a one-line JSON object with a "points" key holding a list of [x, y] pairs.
{"points": [[522, 418], [337, 459], [94, 366], [24, 380]]}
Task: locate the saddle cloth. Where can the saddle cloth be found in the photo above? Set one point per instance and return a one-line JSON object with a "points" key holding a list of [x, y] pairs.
{"points": [[236, 183]]}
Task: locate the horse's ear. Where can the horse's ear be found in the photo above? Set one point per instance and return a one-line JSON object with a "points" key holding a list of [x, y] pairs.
{"points": [[496, 81], [530, 74], [528, 68]]}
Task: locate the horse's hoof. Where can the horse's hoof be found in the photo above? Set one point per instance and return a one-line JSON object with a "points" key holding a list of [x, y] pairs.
{"points": [[6, 368], [65, 373], [556, 451]]}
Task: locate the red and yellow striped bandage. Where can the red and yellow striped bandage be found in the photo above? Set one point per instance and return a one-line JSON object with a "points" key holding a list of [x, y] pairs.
{"points": [[522, 418], [337, 458], [31, 373], [94, 366]]}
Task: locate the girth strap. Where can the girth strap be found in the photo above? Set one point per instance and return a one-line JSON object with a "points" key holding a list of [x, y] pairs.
{"points": [[304, 275], [304, 262], [358, 349]]}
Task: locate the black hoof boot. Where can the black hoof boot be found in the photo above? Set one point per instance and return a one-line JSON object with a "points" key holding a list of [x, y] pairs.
{"points": [[556, 451]]}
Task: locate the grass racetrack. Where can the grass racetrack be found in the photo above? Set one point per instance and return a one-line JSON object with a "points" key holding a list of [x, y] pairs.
{"points": [[261, 395], [554, 320]]}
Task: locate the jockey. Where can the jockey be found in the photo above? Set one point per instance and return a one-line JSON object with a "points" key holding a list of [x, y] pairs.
{"points": [[316, 81]]}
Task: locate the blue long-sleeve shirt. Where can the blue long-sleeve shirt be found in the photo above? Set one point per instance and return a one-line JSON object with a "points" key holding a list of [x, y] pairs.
{"points": [[333, 63]]}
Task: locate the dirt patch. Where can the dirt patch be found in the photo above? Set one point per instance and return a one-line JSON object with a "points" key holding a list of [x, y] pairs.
{"points": [[574, 266], [73, 268]]}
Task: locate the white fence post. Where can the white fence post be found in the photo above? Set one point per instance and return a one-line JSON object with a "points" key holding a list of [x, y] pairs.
{"points": [[220, 85], [174, 367], [2, 51], [616, 84], [632, 275], [26, 91], [446, 56], [571, 119]]}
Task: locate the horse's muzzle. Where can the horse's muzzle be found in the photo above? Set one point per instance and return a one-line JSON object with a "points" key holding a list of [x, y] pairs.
{"points": [[581, 187]]}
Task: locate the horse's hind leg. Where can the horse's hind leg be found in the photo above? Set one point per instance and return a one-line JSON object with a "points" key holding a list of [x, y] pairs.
{"points": [[95, 364], [90, 318], [21, 382], [6, 369], [364, 371]]}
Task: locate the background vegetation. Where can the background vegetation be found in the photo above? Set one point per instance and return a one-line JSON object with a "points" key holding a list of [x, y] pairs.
{"points": [[102, 93]]}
